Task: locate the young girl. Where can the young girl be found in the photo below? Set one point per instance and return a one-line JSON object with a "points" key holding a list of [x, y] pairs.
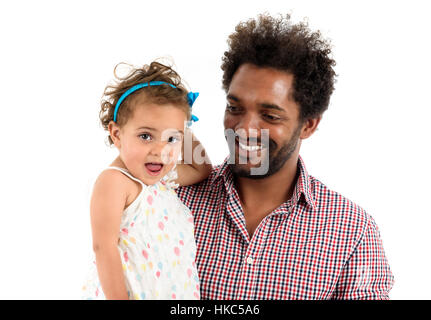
{"points": [[142, 233]]}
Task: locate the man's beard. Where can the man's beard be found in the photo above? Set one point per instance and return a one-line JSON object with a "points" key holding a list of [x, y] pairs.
{"points": [[276, 159]]}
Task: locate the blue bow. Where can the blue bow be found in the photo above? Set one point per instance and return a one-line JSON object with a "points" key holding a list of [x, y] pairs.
{"points": [[191, 97]]}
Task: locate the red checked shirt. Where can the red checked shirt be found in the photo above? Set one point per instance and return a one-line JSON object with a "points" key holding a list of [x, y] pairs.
{"points": [[317, 245]]}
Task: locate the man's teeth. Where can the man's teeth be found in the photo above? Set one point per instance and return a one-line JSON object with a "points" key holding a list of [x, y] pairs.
{"points": [[249, 148]]}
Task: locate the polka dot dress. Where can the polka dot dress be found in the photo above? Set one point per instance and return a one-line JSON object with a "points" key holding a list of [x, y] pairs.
{"points": [[156, 245]]}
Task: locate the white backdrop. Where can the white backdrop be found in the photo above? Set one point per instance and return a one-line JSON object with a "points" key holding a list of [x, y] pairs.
{"points": [[57, 56]]}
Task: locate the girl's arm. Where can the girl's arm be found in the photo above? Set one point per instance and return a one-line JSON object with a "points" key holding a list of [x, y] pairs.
{"points": [[189, 170], [107, 204]]}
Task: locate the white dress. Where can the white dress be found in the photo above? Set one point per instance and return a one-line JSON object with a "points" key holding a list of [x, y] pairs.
{"points": [[156, 245]]}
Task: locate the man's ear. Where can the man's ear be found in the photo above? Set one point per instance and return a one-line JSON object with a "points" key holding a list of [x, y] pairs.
{"points": [[309, 126], [114, 132]]}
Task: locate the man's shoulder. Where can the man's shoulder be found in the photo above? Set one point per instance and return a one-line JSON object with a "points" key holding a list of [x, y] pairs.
{"points": [[335, 206], [344, 221]]}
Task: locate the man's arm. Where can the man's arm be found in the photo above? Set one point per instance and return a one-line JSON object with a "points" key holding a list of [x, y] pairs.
{"points": [[367, 274]]}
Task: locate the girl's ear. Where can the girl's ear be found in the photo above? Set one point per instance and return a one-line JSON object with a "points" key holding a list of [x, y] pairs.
{"points": [[114, 132]]}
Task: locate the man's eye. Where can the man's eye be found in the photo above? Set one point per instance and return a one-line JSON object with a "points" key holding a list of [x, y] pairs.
{"points": [[270, 117], [145, 136], [232, 109]]}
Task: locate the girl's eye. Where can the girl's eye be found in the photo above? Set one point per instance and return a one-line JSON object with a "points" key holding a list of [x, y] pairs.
{"points": [[145, 136], [173, 139]]}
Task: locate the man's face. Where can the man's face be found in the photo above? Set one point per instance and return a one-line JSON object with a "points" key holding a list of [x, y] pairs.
{"points": [[262, 113]]}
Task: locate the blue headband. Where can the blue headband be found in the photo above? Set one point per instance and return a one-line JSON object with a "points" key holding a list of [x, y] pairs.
{"points": [[191, 96]]}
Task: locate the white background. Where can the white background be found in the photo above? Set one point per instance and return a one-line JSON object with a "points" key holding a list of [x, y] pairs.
{"points": [[57, 56]]}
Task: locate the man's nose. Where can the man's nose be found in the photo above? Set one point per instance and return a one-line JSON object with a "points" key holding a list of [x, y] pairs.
{"points": [[249, 121]]}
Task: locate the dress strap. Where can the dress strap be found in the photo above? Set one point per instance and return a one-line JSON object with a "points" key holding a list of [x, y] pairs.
{"points": [[127, 173]]}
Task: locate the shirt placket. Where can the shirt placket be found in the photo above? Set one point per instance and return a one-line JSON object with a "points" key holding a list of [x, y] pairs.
{"points": [[247, 286], [250, 260], [254, 252], [247, 273]]}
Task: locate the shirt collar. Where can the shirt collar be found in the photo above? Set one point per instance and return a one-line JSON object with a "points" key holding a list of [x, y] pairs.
{"points": [[223, 172], [302, 187]]}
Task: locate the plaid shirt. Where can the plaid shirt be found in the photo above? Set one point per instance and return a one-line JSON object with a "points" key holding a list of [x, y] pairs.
{"points": [[317, 245]]}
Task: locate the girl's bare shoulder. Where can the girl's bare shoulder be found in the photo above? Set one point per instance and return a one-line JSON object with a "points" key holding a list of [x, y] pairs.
{"points": [[114, 183]]}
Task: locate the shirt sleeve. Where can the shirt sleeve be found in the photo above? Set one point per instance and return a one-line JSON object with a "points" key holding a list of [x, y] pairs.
{"points": [[367, 274]]}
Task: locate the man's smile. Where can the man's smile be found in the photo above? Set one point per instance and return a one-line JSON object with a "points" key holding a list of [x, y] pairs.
{"points": [[246, 147]]}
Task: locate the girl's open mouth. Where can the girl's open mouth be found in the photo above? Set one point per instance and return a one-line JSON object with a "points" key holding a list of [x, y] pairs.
{"points": [[153, 168]]}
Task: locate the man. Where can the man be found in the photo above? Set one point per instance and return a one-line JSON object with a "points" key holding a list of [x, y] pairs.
{"points": [[281, 234]]}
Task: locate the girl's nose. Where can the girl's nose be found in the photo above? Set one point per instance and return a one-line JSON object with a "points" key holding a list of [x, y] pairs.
{"points": [[163, 151], [157, 148]]}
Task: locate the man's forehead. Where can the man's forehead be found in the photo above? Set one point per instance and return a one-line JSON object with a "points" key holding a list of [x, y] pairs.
{"points": [[261, 85]]}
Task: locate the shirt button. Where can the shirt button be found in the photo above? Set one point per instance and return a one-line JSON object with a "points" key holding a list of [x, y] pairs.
{"points": [[250, 260]]}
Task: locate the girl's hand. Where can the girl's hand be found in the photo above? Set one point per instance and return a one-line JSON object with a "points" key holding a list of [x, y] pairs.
{"points": [[189, 170]]}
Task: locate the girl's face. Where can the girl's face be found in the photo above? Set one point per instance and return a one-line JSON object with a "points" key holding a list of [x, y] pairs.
{"points": [[150, 142]]}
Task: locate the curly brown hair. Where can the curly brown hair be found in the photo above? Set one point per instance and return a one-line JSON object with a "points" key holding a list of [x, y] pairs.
{"points": [[275, 42], [162, 94]]}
